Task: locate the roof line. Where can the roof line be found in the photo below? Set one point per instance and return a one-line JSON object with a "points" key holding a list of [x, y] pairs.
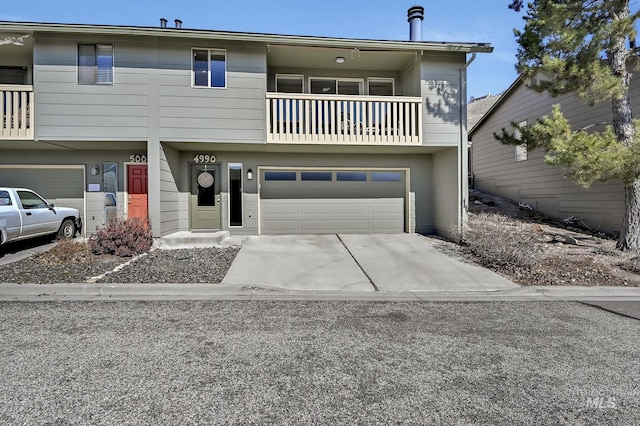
{"points": [[495, 106], [246, 36]]}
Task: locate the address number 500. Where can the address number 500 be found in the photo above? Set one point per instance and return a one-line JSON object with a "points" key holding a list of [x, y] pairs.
{"points": [[138, 158]]}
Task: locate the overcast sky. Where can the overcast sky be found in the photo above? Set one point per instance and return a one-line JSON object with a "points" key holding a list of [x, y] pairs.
{"points": [[486, 21]]}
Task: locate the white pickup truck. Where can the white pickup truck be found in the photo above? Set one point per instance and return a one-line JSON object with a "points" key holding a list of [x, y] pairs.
{"points": [[25, 214]]}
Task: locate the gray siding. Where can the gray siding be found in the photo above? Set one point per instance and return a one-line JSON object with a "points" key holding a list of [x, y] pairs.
{"points": [[233, 114], [66, 110], [533, 181], [420, 197], [442, 98], [446, 192], [169, 194]]}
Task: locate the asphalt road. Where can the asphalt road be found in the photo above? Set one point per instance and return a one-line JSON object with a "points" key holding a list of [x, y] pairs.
{"points": [[231, 362]]}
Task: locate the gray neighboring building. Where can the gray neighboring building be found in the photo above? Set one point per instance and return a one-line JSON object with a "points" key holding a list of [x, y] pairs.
{"points": [[524, 176], [252, 133]]}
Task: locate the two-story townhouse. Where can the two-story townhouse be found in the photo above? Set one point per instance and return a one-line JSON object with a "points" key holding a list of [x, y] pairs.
{"points": [[250, 133]]}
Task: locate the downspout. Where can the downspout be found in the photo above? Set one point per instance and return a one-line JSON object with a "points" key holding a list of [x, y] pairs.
{"points": [[463, 147]]}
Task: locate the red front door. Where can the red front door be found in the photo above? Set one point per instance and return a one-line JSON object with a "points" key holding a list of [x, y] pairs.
{"points": [[137, 185]]}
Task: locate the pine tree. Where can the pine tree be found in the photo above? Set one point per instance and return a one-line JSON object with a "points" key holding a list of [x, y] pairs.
{"points": [[587, 48]]}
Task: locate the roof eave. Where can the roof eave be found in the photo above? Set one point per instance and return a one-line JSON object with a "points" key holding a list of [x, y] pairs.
{"points": [[291, 40], [496, 105]]}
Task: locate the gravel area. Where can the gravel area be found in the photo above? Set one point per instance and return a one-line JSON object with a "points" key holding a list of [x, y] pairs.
{"points": [[38, 270], [72, 262], [317, 363], [203, 265]]}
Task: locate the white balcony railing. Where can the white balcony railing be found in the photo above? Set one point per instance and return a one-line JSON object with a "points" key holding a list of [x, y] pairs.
{"points": [[16, 112], [337, 119]]}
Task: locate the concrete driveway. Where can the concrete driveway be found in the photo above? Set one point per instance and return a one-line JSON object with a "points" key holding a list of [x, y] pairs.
{"points": [[381, 262]]}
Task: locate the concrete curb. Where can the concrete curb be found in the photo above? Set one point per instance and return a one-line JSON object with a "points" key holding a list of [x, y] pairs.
{"points": [[168, 292]]}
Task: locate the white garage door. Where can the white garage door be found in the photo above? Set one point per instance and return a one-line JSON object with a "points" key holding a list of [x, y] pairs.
{"points": [[331, 202], [59, 185]]}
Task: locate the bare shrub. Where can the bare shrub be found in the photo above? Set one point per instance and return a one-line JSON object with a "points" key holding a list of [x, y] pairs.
{"points": [[631, 265], [65, 251], [499, 242], [123, 238]]}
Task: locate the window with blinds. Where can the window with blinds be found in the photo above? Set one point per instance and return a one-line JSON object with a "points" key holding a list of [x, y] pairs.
{"points": [[95, 64]]}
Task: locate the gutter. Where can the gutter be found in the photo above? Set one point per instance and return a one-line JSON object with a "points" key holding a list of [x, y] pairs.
{"points": [[463, 146], [290, 40]]}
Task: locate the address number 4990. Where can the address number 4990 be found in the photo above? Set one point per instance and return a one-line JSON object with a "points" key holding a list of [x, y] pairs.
{"points": [[204, 158]]}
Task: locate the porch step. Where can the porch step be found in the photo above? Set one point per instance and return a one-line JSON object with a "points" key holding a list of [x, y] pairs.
{"points": [[187, 239]]}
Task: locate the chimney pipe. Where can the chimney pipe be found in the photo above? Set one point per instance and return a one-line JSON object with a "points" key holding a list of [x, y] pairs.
{"points": [[178, 23], [163, 23], [416, 16]]}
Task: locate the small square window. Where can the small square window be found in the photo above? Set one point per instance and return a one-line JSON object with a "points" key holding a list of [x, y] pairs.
{"points": [[381, 87], [209, 68], [95, 64]]}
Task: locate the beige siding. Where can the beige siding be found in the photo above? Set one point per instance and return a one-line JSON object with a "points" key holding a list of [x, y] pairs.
{"points": [[533, 181], [169, 194], [442, 98], [232, 114], [66, 110], [446, 192], [420, 197]]}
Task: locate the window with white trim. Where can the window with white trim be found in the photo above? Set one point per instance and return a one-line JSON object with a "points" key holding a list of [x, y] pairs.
{"points": [[380, 86], [332, 86], [289, 83], [209, 68], [95, 64], [521, 150]]}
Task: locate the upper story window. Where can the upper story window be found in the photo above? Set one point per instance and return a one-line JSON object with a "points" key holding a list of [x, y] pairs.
{"points": [[289, 83], [332, 86], [209, 68], [381, 86], [13, 75], [95, 64]]}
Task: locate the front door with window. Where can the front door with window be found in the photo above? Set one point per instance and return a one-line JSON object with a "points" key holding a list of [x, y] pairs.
{"points": [[137, 189], [205, 196]]}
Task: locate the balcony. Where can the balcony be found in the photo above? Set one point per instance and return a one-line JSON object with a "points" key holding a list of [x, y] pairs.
{"points": [[16, 112], [338, 119]]}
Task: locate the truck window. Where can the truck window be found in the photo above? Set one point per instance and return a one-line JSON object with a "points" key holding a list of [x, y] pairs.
{"points": [[30, 200], [5, 200]]}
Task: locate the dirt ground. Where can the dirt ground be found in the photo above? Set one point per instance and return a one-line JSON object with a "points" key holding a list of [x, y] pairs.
{"points": [[540, 250]]}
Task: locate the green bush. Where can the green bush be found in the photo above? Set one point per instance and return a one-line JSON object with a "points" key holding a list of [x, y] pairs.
{"points": [[122, 238]]}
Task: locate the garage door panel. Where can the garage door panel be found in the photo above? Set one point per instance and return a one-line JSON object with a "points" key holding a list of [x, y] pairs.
{"points": [[393, 206], [349, 208], [312, 216], [316, 226], [315, 208], [60, 186], [352, 225]]}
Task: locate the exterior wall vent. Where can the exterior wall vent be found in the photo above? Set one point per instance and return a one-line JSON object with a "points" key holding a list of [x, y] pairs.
{"points": [[416, 16]]}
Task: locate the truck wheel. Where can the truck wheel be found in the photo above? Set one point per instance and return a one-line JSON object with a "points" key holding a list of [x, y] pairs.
{"points": [[67, 229]]}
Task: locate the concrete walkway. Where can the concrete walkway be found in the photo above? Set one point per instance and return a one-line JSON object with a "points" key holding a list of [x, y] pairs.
{"points": [[382, 262]]}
